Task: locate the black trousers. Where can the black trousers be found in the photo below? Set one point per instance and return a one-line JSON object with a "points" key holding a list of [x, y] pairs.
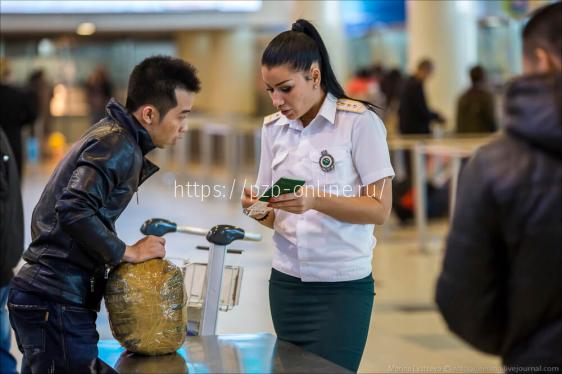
{"points": [[330, 319]]}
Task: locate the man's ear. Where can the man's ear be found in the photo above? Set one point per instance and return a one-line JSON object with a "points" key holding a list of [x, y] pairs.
{"points": [[546, 62], [148, 114]]}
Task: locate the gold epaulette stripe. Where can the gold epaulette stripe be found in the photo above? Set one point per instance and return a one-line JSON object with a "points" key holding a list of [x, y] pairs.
{"points": [[272, 117], [350, 106]]}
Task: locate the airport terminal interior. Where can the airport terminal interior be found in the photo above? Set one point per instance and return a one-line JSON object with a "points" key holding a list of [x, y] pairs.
{"points": [[76, 55]]}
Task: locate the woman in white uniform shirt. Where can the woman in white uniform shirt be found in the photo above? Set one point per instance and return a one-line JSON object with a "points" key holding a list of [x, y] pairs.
{"points": [[321, 288]]}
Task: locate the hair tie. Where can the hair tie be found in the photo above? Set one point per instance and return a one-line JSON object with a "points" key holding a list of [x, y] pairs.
{"points": [[297, 27]]}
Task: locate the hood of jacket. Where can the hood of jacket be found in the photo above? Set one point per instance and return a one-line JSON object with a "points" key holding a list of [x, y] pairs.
{"points": [[532, 111]]}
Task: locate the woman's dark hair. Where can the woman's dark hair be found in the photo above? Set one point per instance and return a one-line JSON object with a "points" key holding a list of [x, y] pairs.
{"points": [[299, 48], [154, 81]]}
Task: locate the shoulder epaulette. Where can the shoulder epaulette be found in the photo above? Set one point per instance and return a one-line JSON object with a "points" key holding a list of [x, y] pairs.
{"points": [[272, 117], [350, 106]]}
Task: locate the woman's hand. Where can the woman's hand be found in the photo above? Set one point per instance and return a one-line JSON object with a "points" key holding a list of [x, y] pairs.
{"points": [[248, 198], [297, 203]]}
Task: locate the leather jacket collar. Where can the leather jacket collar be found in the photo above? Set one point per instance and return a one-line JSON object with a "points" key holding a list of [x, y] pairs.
{"points": [[120, 114]]}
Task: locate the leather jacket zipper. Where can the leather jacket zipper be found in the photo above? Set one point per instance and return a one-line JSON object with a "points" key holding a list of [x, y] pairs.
{"points": [[93, 278]]}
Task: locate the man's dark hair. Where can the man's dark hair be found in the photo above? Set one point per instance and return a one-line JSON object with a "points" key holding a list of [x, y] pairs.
{"points": [[544, 30], [36, 76], [155, 80], [425, 64], [477, 74]]}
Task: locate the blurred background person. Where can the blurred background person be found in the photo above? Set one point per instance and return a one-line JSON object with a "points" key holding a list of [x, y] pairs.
{"points": [[16, 111], [415, 117], [365, 85], [475, 107], [99, 90], [11, 243], [500, 286], [361, 85], [391, 87], [414, 114], [40, 90], [377, 97]]}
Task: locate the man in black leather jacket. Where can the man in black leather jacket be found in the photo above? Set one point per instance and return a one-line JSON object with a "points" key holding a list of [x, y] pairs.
{"points": [[54, 297], [501, 285]]}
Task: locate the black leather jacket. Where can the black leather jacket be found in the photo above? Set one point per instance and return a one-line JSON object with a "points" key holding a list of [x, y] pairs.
{"points": [[73, 225], [501, 284], [11, 212]]}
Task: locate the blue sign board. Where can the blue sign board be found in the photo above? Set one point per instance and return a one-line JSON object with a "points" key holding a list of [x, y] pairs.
{"points": [[360, 16]]}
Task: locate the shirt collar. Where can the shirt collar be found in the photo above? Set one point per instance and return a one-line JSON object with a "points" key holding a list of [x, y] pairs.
{"points": [[327, 110]]}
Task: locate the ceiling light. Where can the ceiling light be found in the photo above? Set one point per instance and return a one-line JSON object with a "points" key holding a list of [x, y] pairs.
{"points": [[86, 28]]}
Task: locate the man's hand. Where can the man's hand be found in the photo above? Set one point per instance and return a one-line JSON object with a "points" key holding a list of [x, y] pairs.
{"points": [[145, 249], [440, 119]]}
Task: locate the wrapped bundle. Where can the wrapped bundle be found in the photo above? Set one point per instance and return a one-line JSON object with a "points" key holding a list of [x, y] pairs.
{"points": [[147, 306]]}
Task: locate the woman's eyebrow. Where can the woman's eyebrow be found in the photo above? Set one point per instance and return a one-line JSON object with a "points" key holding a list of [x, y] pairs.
{"points": [[278, 84]]}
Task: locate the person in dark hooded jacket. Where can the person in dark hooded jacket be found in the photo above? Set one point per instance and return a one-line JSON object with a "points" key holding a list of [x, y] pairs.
{"points": [[501, 285]]}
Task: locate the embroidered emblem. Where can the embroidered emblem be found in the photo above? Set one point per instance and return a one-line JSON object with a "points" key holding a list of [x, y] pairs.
{"points": [[326, 161]]}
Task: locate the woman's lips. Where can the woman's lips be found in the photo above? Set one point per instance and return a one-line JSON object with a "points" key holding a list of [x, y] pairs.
{"points": [[285, 112]]}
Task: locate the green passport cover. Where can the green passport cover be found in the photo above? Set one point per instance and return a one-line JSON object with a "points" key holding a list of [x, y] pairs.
{"points": [[282, 186]]}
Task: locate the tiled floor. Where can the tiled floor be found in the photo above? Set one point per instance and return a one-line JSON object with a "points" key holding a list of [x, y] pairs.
{"points": [[407, 334]]}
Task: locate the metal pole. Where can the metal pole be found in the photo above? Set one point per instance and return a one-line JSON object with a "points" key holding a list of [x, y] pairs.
{"points": [[217, 254], [420, 193], [456, 168]]}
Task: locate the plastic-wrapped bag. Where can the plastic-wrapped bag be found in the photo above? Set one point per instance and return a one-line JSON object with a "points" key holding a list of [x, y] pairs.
{"points": [[147, 306]]}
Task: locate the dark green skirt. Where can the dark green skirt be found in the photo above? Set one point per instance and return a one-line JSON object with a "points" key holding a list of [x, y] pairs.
{"points": [[330, 319]]}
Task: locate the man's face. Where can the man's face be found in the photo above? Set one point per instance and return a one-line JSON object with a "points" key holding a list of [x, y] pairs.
{"points": [[425, 73], [167, 130]]}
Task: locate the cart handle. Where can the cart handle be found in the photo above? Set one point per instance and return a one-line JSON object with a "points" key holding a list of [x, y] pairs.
{"points": [[192, 230], [220, 234]]}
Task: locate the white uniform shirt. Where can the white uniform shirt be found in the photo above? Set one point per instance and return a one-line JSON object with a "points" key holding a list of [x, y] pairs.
{"points": [[314, 246]]}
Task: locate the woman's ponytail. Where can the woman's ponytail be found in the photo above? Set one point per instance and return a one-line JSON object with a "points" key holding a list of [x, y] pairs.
{"points": [[329, 82]]}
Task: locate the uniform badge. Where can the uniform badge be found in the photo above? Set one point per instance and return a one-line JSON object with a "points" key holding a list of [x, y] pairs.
{"points": [[326, 161]]}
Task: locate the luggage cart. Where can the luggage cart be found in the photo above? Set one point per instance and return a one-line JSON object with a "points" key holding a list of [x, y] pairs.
{"points": [[219, 237]]}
